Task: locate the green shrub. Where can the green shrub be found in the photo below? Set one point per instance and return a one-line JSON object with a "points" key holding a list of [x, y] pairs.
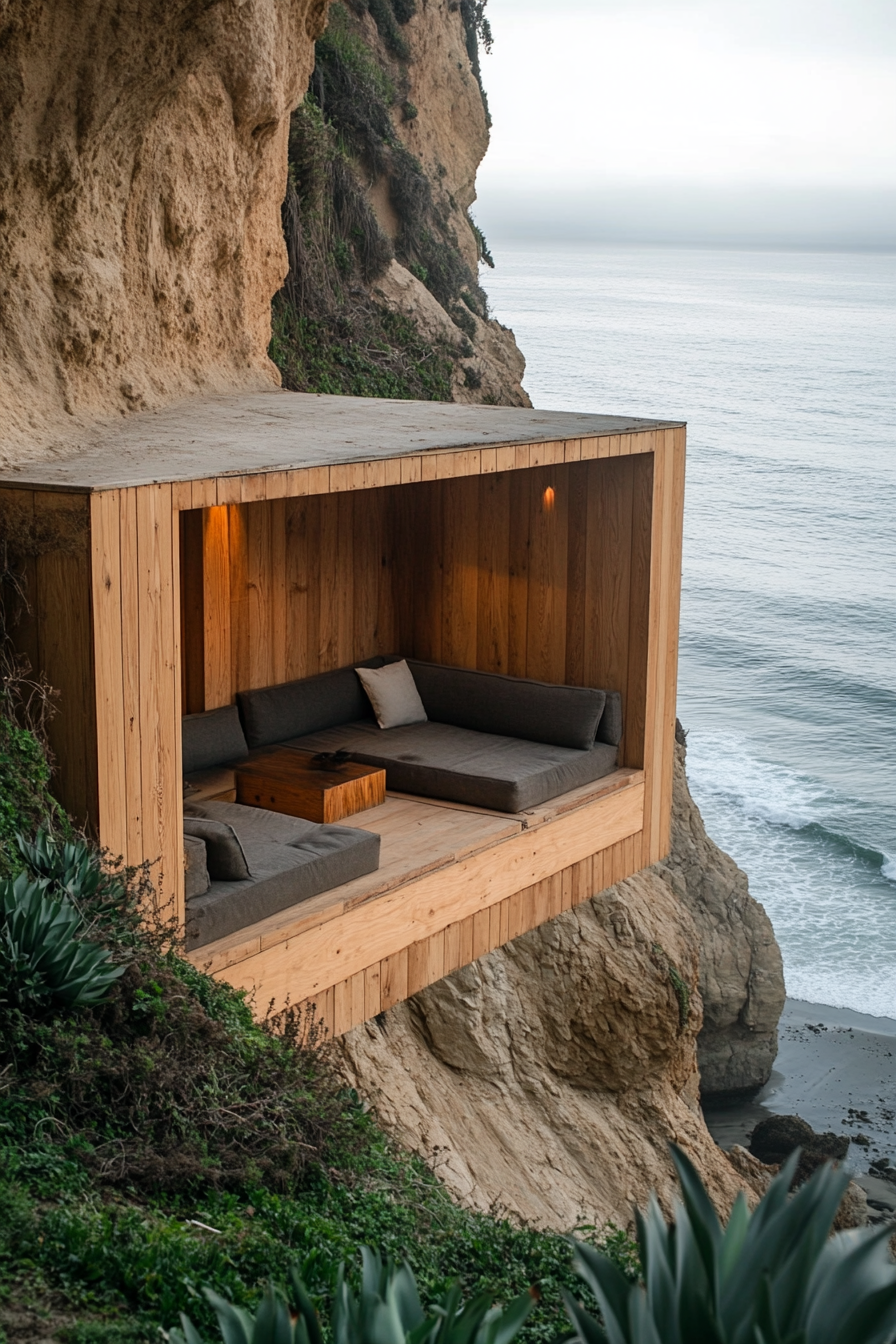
{"points": [[773, 1277], [386, 1310], [25, 800], [41, 956], [70, 867]]}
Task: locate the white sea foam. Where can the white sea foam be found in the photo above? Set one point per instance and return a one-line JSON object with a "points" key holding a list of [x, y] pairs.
{"points": [[832, 910], [721, 764], [888, 868]]}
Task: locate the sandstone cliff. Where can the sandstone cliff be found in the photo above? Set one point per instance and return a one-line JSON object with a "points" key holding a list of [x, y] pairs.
{"points": [[383, 296], [549, 1077], [142, 167], [741, 973]]}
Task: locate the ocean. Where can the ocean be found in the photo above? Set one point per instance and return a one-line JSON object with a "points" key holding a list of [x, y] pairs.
{"points": [[784, 366]]}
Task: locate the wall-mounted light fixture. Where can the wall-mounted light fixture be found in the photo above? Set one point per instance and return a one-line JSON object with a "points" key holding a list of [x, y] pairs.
{"points": [[547, 499]]}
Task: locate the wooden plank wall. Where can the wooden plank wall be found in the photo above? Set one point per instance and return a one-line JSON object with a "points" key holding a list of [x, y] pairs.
{"points": [[135, 546], [55, 635], [662, 640], [292, 587], [542, 573], [477, 571]]}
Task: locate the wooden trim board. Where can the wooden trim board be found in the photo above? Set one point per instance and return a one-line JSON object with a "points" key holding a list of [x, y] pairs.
{"points": [[307, 964]]}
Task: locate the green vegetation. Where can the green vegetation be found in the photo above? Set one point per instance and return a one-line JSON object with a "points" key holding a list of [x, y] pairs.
{"points": [[41, 956], [385, 1310], [678, 983], [773, 1277], [162, 1141], [25, 801], [365, 352], [329, 332]]}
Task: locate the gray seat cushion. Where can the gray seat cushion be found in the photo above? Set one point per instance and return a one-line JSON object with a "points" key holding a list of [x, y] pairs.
{"points": [[438, 760], [290, 860], [537, 711], [295, 708], [213, 738]]}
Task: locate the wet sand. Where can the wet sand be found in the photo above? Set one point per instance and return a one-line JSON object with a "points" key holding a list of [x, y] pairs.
{"points": [[836, 1069]]}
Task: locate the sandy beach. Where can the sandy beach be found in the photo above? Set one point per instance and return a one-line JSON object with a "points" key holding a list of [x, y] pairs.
{"points": [[837, 1070]]}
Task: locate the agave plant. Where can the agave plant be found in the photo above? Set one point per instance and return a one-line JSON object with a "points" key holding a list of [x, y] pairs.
{"points": [[775, 1276], [387, 1310], [69, 866], [41, 956]]}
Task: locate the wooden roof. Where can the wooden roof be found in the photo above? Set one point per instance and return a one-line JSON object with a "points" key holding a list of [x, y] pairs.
{"points": [[281, 431]]}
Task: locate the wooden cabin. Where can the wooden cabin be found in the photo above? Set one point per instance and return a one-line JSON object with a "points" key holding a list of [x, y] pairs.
{"points": [[239, 542]]}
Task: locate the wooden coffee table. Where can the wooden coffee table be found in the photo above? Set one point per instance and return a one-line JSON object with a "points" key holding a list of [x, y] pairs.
{"points": [[284, 780]]}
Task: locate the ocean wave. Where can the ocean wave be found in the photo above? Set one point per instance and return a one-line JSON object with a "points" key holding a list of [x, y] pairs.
{"points": [[720, 767]]}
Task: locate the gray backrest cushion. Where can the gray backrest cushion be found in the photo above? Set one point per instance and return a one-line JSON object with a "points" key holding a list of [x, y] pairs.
{"points": [[297, 708], [213, 738], [564, 716], [610, 727], [224, 853]]}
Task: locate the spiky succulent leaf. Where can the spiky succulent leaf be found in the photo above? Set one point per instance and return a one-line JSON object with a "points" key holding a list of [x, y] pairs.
{"points": [[387, 1310], [773, 1277], [40, 954]]}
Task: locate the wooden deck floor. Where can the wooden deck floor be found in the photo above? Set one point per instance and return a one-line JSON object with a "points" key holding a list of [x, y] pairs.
{"points": [[443, 867]]}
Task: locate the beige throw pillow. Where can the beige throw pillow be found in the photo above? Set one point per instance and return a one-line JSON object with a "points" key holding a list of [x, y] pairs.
{"points": [[393, 694]]}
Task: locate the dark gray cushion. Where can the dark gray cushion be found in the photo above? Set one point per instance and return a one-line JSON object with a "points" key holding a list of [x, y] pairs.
{"points": [[213, 738], [226, 859], [437, 760], [610, 727], [307, 706], [196, 879], [283, 875], [255, 823], [564, 716]]}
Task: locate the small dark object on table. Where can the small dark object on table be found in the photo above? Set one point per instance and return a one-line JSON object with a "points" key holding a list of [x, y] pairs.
{"points": [[330, 760]]}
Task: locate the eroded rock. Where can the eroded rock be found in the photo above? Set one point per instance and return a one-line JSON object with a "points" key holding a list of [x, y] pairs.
{"points": [[774, 1139], [549, 1076], [741, 972], [142, 168]]}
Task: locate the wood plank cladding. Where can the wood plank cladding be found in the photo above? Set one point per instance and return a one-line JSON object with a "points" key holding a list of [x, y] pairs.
{"points": [[437, 917], [558, 560], [137, 548], [543, 572]]}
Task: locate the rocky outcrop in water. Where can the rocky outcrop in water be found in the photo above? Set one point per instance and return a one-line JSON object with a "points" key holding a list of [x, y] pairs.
{"points": [[741, 973], [142, 168]]}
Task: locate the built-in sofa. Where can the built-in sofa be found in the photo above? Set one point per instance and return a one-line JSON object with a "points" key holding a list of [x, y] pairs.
{"points": [[503, 743]]}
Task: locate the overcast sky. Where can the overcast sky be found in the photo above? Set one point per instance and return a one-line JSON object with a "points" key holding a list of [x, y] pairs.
{"points": [[764, 116]]}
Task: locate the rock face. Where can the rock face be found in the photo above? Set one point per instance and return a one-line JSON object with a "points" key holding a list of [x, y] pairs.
{"points": [[741, 973], [549, 1076], [142, 168], [495, 359], [449, 136]]}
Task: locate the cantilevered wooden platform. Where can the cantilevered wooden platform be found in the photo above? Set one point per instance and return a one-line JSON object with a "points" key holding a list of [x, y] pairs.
{"points": [[453, 883], [236, 542]]}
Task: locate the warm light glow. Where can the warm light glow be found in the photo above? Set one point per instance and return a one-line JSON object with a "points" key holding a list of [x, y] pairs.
{"points": [[548, 499]]}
